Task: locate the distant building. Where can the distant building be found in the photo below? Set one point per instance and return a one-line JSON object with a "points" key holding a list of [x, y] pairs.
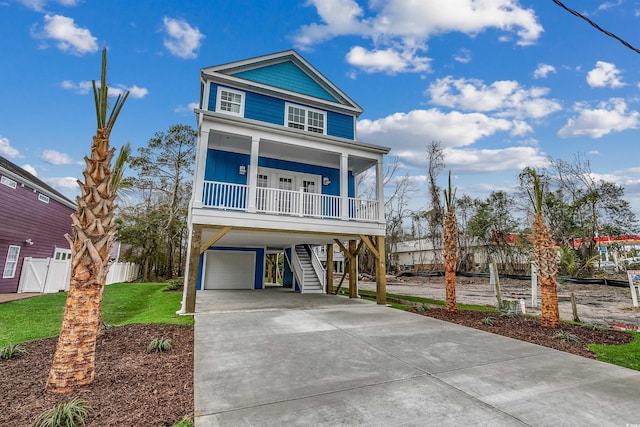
{"points": [[34, 218]]}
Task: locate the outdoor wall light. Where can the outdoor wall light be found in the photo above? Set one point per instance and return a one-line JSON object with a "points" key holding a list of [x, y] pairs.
{"points": [[326, 181], [242, 170], [29, 242]]}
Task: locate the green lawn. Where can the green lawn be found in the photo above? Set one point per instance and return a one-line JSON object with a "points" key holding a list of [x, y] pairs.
{"points": [[123, 303]]}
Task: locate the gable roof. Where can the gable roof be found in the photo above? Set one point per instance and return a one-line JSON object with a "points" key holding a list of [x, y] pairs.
{"points": [[15, 172], [286, 71]]}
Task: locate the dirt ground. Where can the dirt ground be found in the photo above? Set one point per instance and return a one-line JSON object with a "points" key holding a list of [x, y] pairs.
{"points": [[596, 303]]}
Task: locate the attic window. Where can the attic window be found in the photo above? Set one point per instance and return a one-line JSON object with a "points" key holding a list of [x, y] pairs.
{"points": [[303, 118], [43, 198], [8, 182], [230, 101]]}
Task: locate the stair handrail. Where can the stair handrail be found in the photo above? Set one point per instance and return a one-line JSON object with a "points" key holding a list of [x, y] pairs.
{"points": [[320, 271]]}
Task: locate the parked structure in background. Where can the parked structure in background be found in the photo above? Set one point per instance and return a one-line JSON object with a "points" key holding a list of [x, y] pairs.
{"points": [[275, 172], [34, 218]]}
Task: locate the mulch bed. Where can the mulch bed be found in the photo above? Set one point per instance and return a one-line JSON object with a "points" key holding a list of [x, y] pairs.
{"points": [[131, 387], [528, 329]]}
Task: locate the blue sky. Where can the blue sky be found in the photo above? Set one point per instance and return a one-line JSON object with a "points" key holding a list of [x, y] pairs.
{"points": [[502, 84]]}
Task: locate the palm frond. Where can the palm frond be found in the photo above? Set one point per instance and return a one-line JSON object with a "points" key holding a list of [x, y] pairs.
{"points": [[101, 97], [449, 194]]}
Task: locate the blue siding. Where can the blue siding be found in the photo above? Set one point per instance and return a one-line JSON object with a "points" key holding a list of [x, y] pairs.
{"points": [[340, 125], [268, 109], [287, 75], [222, 166], [259, 271], [287, 277], [264, 108]]}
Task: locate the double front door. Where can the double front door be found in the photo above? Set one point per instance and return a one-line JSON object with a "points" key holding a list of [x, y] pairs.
{"points": [[287, 193]]}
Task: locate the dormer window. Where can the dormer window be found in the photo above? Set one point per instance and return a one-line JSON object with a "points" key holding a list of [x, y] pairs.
{"points": [[303, 118], [230, 101]]}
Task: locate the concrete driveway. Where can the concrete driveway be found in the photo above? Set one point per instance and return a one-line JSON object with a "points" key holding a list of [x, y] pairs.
{"points": [[275, 358]]}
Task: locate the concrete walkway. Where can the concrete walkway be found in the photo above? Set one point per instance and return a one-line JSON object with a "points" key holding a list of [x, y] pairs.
{"points": [[275, 358]]}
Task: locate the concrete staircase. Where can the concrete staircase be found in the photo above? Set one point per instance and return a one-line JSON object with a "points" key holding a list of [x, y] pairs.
{"points": [[310, 282]]}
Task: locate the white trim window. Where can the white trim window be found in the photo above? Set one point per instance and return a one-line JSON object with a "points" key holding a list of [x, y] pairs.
{"points": [[11, 263], [8, 182], [230, 101], [43, 198], [303, 118]]}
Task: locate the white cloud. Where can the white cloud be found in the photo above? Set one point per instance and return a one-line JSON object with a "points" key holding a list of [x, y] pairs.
{"points": [[387, 60], [81, 88], [594, 152], [495, 160], [604, 74], [543, 70], [406, 25], [68, 37], [39, 5], [609, 4], [611, 116], [412, 131], [62, 183], [30, 169], [85, 87], [6, 150], [181, 109], [506, 97], [183, 39], [57, 158], [463, 56]]}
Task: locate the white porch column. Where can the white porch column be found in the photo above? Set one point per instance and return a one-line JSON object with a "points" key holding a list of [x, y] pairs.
{"points": [[380, 190], [344, 186], [200, 166], [252, 179]]}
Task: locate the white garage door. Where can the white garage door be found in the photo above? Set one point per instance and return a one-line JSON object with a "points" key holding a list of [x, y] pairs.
{"points": [[229, 270]]}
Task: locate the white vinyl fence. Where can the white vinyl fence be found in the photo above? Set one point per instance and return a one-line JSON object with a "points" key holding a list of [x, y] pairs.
{"points": [[44, 275], [48, 275], [122, 272]]}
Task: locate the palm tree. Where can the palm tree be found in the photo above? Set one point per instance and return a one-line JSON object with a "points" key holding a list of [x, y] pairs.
{"points": [[93, 228], [450, 248], [545, 257]]}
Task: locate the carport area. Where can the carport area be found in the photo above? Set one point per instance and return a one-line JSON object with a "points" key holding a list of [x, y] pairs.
{"points": [[272, 357]]}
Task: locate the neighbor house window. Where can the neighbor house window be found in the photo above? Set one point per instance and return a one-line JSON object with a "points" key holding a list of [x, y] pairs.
{"points": [[230, 101], [8, 182], [11, 263], [43, 198], [304, 118]]}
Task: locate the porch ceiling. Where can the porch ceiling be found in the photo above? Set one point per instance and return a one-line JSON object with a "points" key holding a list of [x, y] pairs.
{"points": [[270, 239]]}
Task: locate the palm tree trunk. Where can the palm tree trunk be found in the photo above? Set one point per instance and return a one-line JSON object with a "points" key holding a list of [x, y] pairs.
{"points": [[545, 257], [93, 229], [450, 252]]}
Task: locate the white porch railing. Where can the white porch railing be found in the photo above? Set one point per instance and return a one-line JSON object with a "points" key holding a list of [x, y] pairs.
{"points": [[286, 202]]}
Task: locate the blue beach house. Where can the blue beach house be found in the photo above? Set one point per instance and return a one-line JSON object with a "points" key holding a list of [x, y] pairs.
{"points": [[276, 170]]}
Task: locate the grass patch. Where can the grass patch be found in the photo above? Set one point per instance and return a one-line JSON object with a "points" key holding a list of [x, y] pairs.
{"points": [[428, 301], [123, 304], [627, 355], [68, 414]]}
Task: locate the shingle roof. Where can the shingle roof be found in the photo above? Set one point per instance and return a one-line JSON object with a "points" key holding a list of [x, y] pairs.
{"points": [[30, 178]]}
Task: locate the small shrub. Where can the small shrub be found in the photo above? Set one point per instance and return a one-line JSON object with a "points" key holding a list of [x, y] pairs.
{"points": [[159, 345], [487, 321], [68, 414], [10, 351], [595, 326], [173, 285], [566, 336], [183, 423], [508, 313], [422, 308]]}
